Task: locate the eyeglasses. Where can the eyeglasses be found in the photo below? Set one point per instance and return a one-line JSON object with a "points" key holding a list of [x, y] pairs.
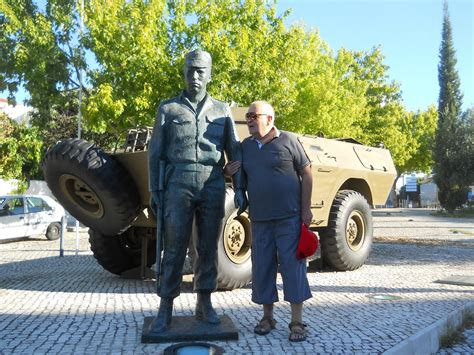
{"points": [[252, 116]]}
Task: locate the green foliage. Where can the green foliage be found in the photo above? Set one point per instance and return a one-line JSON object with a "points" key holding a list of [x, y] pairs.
{"points": [[419, 130], [63, 123], [331, 100], [20, 150], [21, 187], [467, 144], [450, 151], [40, 51], [140, 46], [255, 56], [130, 41]]}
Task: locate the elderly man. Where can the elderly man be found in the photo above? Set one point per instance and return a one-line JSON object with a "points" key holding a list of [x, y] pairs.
{"points": [[191, 134], [279, 184]]}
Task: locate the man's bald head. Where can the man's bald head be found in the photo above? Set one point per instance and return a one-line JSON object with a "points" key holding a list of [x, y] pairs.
{"points": [[262, 107]]}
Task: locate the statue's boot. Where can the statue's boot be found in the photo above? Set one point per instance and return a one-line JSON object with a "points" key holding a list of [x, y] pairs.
{"points": [[204, 309], [162, 321]]}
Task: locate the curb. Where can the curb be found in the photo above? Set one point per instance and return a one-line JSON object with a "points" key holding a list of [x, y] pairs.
{"points": [[426, 341]]}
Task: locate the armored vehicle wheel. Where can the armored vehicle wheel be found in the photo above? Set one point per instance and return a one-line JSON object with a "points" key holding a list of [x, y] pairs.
{"points": [[54, 231], [234, 247], [347, 240], [91, 185], [119, 253]]}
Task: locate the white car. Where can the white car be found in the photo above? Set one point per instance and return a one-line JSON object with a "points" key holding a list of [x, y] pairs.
{"points": [[27, 215]]}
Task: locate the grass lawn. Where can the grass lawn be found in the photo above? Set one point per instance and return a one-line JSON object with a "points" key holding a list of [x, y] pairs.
{"points": [[467, 212]]}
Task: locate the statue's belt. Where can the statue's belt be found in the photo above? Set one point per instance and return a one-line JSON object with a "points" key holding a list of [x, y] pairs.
{"points": [[195, 167]]}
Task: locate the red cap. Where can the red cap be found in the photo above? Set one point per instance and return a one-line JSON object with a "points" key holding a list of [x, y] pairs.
{"points": [[308, 243]]}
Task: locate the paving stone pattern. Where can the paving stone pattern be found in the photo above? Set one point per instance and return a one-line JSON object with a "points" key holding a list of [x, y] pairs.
{"points": [[51, 304]]}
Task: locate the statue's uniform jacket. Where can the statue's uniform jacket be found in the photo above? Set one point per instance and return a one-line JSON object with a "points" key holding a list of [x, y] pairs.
{"points": [[192, 144]]}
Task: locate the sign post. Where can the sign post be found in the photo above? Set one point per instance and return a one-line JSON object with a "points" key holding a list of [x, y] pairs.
{"points": [[62, 235]]}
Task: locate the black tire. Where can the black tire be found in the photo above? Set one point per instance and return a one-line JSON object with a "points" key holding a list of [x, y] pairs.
{"points": [[119, 253], [347, 240], [54, 231], [91, 185], [234, 268]]}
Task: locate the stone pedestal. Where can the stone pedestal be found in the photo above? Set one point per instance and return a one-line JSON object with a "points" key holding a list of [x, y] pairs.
{"points": [[187, 328]]}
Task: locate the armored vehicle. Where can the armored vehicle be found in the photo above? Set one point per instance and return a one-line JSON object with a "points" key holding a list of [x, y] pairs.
{"points": [[108, 192]]}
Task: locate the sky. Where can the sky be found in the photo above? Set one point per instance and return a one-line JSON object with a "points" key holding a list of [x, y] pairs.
{"points": [[408, 33]]}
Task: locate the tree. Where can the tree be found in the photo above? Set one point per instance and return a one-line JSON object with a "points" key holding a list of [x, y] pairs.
{"points": [[467, 145], [449, 159], [40, 50], [130, 41], [63, 123], [139, 48], [20, 150], [420, 127]]}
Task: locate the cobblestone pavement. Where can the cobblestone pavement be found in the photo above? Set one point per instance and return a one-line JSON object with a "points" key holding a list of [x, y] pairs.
{"points": [[51, 304], [419, 226]]}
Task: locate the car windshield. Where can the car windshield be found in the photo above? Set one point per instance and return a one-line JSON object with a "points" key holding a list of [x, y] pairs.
{"points": [[1, 200]]}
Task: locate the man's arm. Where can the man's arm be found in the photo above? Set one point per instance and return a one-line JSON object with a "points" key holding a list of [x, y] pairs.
{"points": [[155, 152], [233, 149], [231, 168], [306, 191]]}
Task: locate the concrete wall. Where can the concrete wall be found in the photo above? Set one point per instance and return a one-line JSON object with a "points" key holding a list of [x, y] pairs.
{"points": [[37, 187], [7, 187]]}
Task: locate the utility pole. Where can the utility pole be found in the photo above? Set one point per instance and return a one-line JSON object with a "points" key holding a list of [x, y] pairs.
{"points": [[81, 28], [79, 113]]}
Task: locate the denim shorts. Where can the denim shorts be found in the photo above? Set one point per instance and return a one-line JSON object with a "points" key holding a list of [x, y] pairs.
{"points": [[274, 247]]}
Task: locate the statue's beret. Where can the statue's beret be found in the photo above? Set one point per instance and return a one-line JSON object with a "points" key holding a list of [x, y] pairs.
{"points": [[198, 58]]}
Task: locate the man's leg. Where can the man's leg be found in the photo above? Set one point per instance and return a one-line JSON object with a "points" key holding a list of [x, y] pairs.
{"points": [[264, 273], [297, 327], [209, 215], [204, 310], [264, 263], [178, 221], [178, 217], [268, 310], [297, 312], [163, 320], [267, 323], [293, 271]]}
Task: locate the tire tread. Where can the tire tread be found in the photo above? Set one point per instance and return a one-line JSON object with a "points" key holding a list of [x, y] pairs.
{"points": [[333, 240], [76, 156]]}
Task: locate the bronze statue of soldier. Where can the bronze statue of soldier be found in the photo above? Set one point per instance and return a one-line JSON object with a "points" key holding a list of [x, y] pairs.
{"points": [[186, 159]]}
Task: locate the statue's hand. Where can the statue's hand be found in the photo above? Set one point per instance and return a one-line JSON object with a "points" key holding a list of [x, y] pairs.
{"points": [[240, 201], [155, 202]]}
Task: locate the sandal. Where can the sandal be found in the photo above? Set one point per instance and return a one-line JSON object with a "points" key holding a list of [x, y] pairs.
{"points": [[297, 331], [265, 326]]}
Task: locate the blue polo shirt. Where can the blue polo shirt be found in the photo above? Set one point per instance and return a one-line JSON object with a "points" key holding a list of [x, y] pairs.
{"points": [[273, 182]]}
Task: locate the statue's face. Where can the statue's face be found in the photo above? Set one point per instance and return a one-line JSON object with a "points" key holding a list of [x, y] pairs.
{"points": [[196, 79]]}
